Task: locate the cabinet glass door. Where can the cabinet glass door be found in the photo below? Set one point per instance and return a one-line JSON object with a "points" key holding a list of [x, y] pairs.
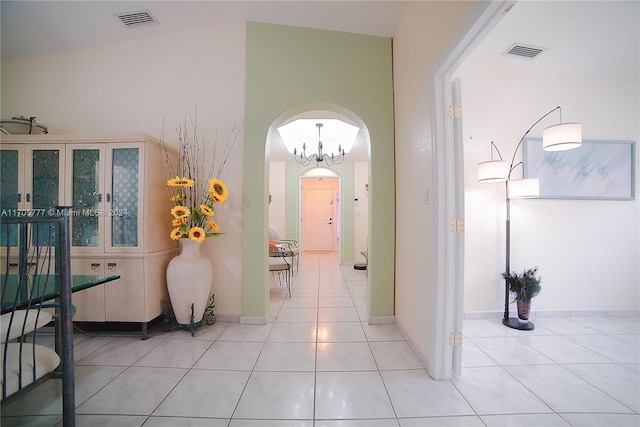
{"points": [[125, 172], [45, 193], [9, 192], [86, 198]]}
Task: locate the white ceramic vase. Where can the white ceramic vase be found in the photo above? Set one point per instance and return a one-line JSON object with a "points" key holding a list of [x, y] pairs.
{"points": [[189, 277]]}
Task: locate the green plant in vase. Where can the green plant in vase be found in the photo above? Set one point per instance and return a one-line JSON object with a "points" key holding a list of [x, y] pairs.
{"points": [[525, 286]]}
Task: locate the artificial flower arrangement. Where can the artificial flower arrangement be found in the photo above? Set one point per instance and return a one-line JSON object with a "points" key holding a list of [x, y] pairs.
{"points": [[192, 202], [192, 215]]}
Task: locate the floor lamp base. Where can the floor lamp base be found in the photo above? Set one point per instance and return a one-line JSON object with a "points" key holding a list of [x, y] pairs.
{"points": [[515, 323]]}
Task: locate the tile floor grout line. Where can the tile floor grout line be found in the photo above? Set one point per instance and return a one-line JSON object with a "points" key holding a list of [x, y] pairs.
{"points": [[568, 417], [315, 362], [548, 405]]}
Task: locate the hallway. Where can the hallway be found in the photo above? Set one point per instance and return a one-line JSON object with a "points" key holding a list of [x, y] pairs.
{"points": [[317, 363]]}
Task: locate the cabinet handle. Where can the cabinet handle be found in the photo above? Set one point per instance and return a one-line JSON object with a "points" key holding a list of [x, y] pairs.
{"points": [[95, 265], [13, 265], [28, 197], [19, 197], [111, 265], [108, 198]]}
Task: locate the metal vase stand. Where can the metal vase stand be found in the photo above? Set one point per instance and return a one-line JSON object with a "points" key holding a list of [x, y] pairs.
{"points": [[170, 323]]}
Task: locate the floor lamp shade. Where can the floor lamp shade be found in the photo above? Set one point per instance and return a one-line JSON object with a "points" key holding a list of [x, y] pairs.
{"points": [[523, 188], [493, 171], [565, 136]]}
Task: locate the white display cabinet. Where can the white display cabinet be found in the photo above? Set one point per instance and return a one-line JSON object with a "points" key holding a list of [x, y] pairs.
{"points": [[120, 222]]}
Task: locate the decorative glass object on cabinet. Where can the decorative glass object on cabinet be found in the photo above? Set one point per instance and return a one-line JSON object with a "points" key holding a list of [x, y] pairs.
{"points": [[86, 197], [124, 205]]}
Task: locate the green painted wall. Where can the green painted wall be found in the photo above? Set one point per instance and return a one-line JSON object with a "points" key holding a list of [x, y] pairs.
{"points": [[290, 70]]}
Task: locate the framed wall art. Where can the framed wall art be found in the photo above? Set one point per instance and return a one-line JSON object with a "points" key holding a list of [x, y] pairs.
{"points": [[599, 169]]}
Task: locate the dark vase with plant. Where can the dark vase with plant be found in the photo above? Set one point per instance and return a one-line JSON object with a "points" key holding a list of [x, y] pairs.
{"points": [[525, 286]]}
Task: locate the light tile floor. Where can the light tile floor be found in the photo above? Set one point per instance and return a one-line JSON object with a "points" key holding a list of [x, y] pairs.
{"points": [[318, 363]]}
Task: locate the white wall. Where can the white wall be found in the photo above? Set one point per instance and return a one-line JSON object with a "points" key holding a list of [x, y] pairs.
{"points": [[424, 33], [137, 87], [587, 250]]}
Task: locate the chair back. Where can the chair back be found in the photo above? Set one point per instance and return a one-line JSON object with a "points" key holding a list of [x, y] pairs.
{"points": [[273, 234]]}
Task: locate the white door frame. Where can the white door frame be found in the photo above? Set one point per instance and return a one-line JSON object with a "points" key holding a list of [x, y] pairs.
{"points": [[481, 21]]}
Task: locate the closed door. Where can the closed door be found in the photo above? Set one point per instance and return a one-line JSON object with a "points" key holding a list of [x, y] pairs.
{"points": [[86, 175], [44, 187], [123, 197], [89, 303], [318, 221], [11, 190], [38, 193]]}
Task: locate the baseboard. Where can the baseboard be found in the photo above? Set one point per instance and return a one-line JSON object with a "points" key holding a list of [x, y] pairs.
{"points": [[381, 320], [246, 320], [479, 315], [227, 317]]}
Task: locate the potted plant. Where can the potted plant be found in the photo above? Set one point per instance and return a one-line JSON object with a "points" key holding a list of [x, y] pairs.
{"points": [[525, 286]]}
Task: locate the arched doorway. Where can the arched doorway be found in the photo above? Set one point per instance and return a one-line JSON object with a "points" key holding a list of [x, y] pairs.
{"points": [[259, 170], [284, 185], [349, 199]]}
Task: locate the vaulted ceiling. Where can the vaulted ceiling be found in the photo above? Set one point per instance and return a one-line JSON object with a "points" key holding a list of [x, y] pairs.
{"points": [[595, 37]]}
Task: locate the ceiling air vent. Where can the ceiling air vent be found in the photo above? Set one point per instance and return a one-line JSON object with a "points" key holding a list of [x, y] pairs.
{"points": [[525, 51], [136, 19]]}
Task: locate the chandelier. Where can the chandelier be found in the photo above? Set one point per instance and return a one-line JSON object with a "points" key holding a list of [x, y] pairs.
{"points": [[305, 159]]}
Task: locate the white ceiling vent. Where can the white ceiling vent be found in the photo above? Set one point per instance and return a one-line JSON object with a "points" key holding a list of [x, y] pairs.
{"points": [[524, 51], [136, 19]]}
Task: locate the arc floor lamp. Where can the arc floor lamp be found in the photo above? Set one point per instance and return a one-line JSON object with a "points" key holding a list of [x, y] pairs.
{"points": [[563, 136]]}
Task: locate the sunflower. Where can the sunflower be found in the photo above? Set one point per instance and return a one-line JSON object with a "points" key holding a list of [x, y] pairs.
{"points": [[180, 182], [218, 190], [180, 212], [197, 234], [206, 210], [177, 198], [177, 222], [212, 225], [176, 234]]}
